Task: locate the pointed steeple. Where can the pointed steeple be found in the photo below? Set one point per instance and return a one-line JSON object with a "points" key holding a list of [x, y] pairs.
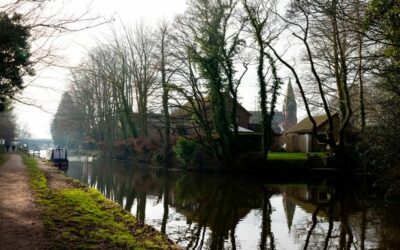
{"points": [[290, 92], [289, 108]]}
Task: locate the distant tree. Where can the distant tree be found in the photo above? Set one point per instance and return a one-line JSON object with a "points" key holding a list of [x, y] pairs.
{"points": [[23, 131], [66, 128], [8, 128], [14, 57]]}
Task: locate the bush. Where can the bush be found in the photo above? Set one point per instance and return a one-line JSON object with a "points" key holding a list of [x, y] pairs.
{"points": [[250, 142], [184, 150]]}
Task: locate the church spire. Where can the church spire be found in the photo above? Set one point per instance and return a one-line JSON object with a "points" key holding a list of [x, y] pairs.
{"points": [[290, 92], [289, 108]]}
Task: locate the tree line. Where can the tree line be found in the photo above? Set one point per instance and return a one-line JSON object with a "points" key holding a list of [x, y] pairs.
{"points": [[348, 65]]}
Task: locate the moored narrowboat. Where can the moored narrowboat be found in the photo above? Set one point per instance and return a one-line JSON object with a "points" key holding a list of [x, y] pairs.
{"points": [[58, 157]]}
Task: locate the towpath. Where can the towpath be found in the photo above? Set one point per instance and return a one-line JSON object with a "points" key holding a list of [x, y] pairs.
{"points": [[20, 224]]}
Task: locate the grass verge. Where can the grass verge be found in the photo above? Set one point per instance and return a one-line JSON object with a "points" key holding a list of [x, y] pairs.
{"points": [[3, 157], [82, 218]]}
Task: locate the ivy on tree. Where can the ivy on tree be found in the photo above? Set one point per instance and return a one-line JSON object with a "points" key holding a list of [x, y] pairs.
{"points": [[14, 57]]}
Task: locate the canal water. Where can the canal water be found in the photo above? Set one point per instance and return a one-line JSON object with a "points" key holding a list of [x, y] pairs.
{"points": [[211, 211]]}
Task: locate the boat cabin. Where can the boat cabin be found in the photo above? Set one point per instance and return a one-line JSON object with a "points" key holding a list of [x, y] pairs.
{"points": [[58, 156]]}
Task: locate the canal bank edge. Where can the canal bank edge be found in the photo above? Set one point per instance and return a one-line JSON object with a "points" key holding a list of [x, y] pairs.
{"points": [[78, 217]]}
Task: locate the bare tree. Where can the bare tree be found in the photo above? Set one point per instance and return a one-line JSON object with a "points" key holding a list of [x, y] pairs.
{"points": [[142, 65], [167, 72], [46, 22], [321, 26]]}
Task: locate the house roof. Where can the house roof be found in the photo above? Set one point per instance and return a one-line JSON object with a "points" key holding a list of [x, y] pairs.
{"points": [[256, 117], [244, 130], [277, 120], [185, 109], [306, 126]]}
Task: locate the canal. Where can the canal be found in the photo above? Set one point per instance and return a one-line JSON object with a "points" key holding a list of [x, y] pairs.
{"points": [[214, 211]]}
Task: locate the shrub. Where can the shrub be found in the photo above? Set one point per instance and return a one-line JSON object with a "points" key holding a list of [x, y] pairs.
{"points": [[184, 150], [250, 142]]}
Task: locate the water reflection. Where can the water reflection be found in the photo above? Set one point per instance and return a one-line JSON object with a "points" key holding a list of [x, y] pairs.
{"points": [[209, 211]]}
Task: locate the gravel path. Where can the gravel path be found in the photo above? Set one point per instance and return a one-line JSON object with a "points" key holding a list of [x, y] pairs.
{"points": [[20, 225]]}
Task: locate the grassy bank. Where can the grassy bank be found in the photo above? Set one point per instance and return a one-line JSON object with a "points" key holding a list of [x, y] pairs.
{"points": [[290, 162], [82, 218], [3, 157]]}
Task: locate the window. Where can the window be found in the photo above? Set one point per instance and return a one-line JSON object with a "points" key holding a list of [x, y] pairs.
{"points": [[322, 135]]}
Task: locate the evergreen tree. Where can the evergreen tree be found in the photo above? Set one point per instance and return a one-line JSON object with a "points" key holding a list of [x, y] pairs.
{"points": [[66, 128], [14, 57]]}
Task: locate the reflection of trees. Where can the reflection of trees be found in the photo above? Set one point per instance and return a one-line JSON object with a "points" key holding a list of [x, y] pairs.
{"points": [[219, 204], [267, 237], [214, 204], [338, 208], [389, 232], [165, 203], [315, 221], [141, 206], [119, 181]]}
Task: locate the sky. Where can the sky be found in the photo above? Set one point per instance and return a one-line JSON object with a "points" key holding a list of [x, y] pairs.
{"points": [[49, 84]]}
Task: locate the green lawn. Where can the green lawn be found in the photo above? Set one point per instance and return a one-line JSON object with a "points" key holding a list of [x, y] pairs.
{"points": [[291, 156]]}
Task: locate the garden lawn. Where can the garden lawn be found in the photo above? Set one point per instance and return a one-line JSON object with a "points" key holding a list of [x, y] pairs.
{"points": [[272, 156], [285, 156]]}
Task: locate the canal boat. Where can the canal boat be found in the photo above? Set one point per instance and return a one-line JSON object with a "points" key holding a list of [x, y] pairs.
{"points": [[58, 157]]}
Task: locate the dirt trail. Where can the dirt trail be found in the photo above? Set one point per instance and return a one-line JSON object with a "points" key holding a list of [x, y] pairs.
{"points": [[20, 225]]}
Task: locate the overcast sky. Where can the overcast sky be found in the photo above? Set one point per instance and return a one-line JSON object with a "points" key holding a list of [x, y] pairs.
{"points": [[50, 83]]}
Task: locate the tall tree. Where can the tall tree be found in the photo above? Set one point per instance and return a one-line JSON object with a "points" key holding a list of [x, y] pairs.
{"points": [[166, 74], [382, 27], [8, 128], [66, 127], [142, 65], [260, 14], [208, 24], [322, 27], [14, 57]]}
